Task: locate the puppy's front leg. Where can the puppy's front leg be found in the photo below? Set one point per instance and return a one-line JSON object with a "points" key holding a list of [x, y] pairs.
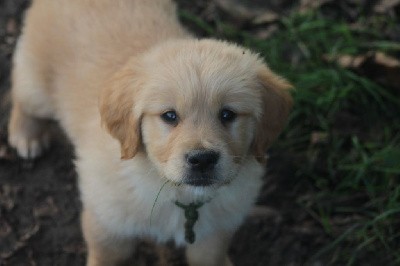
{"points": [[104, 249], [211, 251]]}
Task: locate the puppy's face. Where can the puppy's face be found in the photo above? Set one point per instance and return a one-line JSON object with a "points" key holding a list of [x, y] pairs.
{"points": [[200, 109]]}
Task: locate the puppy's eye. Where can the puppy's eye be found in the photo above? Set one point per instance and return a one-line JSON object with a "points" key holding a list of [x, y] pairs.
{"points": [[170, 117], [227, 116]]}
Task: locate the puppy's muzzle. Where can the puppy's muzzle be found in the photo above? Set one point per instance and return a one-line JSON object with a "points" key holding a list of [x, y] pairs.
{"points": [[200, 166]]}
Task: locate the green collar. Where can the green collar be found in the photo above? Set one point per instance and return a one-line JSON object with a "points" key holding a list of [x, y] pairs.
{"points": [[191, 215]]}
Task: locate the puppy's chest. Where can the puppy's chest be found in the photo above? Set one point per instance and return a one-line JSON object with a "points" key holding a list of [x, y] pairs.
{"points": [[184, 223]]}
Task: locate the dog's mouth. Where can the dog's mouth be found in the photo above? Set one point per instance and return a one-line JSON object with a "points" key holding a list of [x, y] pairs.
{"points": [[198, 179], [200, 182]]}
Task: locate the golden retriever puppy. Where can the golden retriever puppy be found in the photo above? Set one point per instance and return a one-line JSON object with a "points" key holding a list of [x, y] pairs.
{"points": [[169, 131]]}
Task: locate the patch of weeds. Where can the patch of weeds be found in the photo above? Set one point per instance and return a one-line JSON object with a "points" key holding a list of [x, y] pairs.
{"points": [[361, 153]]}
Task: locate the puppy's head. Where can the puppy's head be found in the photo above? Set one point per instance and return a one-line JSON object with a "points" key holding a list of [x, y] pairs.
{"points": [[198, 109]]}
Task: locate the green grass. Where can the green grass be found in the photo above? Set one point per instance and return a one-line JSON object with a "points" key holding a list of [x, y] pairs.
{"points": [[355, 169]]}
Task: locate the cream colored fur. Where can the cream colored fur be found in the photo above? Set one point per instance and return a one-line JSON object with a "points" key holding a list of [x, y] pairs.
{"points": [[107, 70]]}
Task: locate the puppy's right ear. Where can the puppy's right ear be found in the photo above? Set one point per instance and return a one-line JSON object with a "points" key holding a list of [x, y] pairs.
{"points": [[116, 111]]}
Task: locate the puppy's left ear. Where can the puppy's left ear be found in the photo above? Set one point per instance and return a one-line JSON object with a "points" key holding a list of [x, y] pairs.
{"points": [[116, 111], [277, 102]]}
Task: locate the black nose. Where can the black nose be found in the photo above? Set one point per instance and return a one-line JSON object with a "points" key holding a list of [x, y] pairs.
{"points": [[202, 160]]}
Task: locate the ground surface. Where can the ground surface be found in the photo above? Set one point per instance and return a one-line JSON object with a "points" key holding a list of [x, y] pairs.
{"points": [[39, 202]]}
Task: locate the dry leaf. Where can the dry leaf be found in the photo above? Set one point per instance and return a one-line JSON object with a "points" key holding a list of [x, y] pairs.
{"points": [[318, 137], [242, 11], [237, 11], [375, 65], [266, 17], [267, 32], [306, 5], [385, 5], [47, 208], [386, 61]]}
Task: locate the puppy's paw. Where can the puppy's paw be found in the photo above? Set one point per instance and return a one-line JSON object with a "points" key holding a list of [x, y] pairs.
{"points": [[29, 147], [29, 136]]}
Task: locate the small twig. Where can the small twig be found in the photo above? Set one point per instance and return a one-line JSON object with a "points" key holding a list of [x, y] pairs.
{"points": [[21, 243]]}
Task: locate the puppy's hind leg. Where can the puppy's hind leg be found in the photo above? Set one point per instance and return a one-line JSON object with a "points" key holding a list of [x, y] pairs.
{"points": [[31, 106]]}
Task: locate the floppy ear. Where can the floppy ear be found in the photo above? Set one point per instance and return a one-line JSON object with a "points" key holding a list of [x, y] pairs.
{"points": [[116, 111], [277, 103]]}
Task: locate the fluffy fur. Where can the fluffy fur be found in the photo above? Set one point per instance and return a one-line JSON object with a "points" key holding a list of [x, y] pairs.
{"points": [[107, 70]]}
